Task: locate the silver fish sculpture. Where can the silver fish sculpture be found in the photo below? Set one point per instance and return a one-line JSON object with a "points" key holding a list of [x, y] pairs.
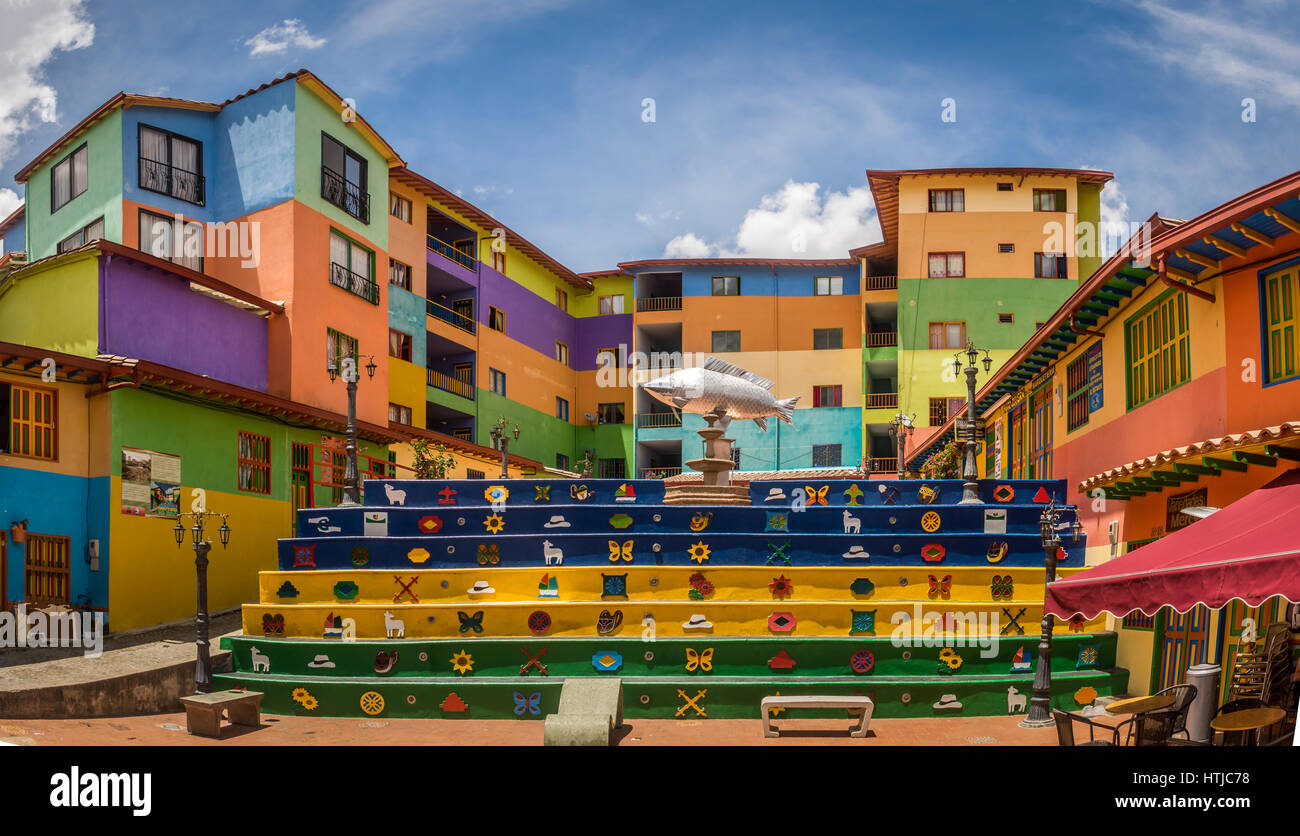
{"points": [[722, 388]]}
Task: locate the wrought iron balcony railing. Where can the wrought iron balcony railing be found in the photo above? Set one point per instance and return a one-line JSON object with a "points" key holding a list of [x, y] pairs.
{"points": [[346, 195], [446, 250], [354, 283], [170, 180], [446, 314]]}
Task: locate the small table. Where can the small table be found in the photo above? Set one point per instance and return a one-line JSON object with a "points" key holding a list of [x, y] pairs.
{"points": [[1141, 705], [1247, 720], [203, 711]]}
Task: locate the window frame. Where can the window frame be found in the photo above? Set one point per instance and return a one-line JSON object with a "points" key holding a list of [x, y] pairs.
{"points": [[495, 375], [171, 222], [392, 265], [826, 448], [334, 342], [493, 313], [35, 427], [621, 306], [363, 188], [714, 286], [944, 324], [1076, 392], [371, 260], [617, 407], [253, 465], [562, 299], [1060, 198], [947, 264], [562, 353], [724, 333], [1274, 326], [83, 148], [1181, 342], [561, 406], [140, 128], [59, 248], [830, 285], [827, 332], [406, 344], [410, 414], [836, 390], [395, 201], [951, 194], [1062, 264]]}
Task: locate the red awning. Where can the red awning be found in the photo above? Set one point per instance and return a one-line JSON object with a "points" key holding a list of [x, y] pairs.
{"points": [[1249, 550]]}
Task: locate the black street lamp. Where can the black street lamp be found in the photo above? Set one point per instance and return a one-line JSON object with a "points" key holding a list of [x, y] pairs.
{"points": [[1040, 705], [501, 440], [203, 667], [901, 429], [970, 492], [351, 482]]}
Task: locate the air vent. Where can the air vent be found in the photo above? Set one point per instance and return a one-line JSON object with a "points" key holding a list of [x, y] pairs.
{"points": [[1006, 318], [1006, 248], [1005, 187]]}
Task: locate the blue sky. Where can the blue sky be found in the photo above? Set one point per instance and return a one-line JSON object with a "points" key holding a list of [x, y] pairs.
{"points": [[766, 114]]}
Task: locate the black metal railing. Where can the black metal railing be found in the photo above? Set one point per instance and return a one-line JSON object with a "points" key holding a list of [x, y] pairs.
{"points": [[346, 195], [354, 283], [464, 323], [446, 250], [170, 180]]}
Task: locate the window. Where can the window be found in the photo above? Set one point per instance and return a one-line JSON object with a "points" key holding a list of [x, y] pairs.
{"points": [[561, 353], [611, 304], [1040, 434], [89, 232], [498, 261], [474, 474], [31, 419], [1005, 187], [561, 461], [562, 300], [497, 382], [399, 414], [612, 469], [1006, 318], [1006, 248], [1050, 266], [947, 335], [496, 319], [606, 358], [46, 569], [829, 286], [176, 241], [726, 285], [1158, 348], [399, 345], [827, 396], [562, 409], [947, 200], [399, 207], [947, 265], [1049, 200], [610, 413], [351, 268], [828, 338], [826, 455], [1278, 296], [337, 346], [171, 164], [343, 180], [68, 178], [941, 409], [735, 457], [254, 463], [1076, 392], [399, 274], [726, 341]]}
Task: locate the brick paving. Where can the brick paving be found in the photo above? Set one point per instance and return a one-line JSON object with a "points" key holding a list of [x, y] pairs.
{"points": [[169, 730]]}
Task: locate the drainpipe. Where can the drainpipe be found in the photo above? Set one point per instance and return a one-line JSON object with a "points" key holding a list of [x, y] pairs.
{"points": [[1082, 331], [1186, 288]]}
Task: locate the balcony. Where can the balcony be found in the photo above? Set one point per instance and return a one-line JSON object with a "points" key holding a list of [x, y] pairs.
{"points": [[447, 383], [882, 400], [354, 283], [171, 180], [882, 465], [659, 303], [882, 339], [335, 189], [659, 419], [880, 283], [447, 251], [459, 320], [659, 472]]}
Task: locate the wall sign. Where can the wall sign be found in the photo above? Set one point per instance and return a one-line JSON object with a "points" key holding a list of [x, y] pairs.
{"points": [[1095, 398], [151, 483], [1174, 518]]}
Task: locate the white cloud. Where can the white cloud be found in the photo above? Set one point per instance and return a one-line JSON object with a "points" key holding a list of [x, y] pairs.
{"points": [[9, 201], [795, 222], [278, 38]]}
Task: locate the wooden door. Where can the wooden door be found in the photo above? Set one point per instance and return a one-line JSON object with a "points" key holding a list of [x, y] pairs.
{"points": [[1183, 643]]}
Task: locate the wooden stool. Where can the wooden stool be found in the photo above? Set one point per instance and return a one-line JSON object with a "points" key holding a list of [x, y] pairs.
{"points": [[203, 711]]}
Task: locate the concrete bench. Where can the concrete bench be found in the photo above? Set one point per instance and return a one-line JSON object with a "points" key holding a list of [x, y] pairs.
{"points": [[857, 730], [203, 711], [590, 709]]}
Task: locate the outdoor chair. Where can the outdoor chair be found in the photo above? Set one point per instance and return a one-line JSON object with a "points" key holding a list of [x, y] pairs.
{"points": [[1065, 722], [1151, 729], [1183, 695]]}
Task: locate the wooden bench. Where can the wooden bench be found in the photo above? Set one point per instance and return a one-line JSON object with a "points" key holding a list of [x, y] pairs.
{"points": [[203, 711], [857, 730], [590, 709]]}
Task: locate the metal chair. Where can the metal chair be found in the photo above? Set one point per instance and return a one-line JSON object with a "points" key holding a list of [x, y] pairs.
{"points": [[1065, 730], [1183, 695], [1155, 728], [1234, 738]]}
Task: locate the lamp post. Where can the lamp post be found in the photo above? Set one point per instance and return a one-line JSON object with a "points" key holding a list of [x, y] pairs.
{"points": [[351, 482], [1040, 705], [970, 491], [501, 440], [203, 667], [900, 429]]}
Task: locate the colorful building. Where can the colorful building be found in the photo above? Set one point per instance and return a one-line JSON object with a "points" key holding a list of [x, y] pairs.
{"points": [[969, 254], [1170, 379]]}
